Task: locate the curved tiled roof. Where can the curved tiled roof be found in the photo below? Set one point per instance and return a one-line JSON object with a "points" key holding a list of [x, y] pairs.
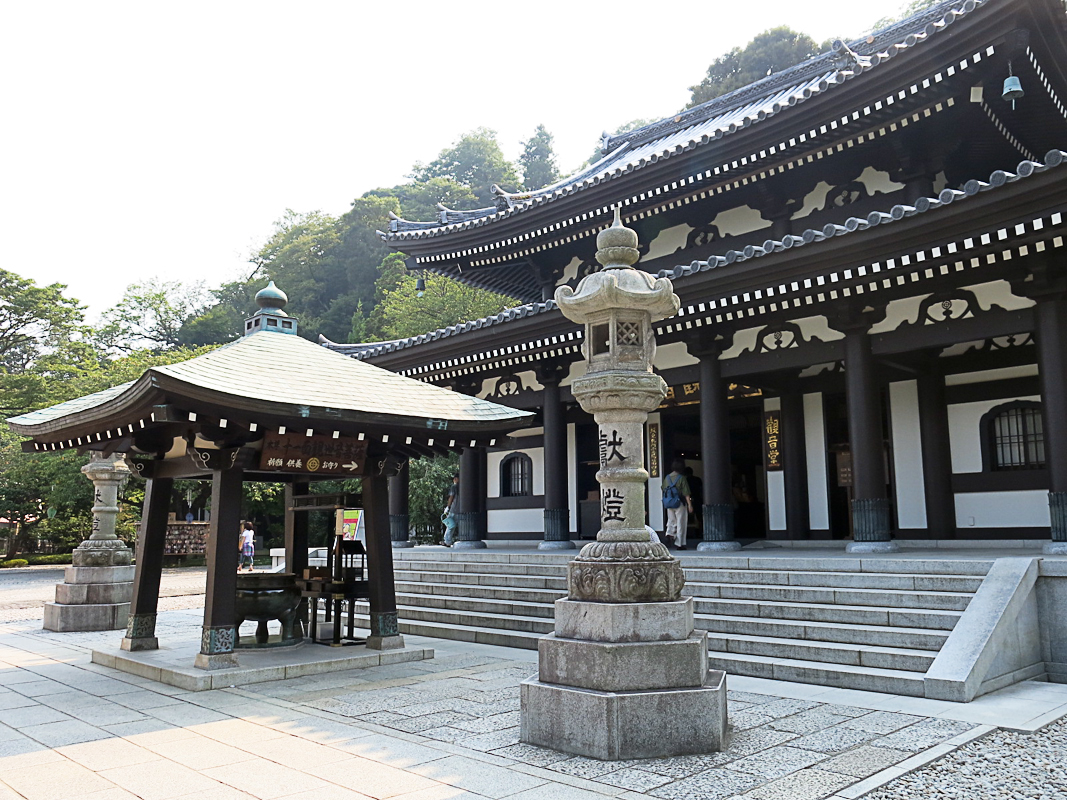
{"points": [[999, 178], [710, 121]]}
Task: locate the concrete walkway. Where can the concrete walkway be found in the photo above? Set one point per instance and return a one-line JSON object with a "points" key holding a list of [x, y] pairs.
{"points": [[434, 730]]}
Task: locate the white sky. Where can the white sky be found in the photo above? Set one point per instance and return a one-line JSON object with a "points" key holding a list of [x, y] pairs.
{"points": [[143, 139]]}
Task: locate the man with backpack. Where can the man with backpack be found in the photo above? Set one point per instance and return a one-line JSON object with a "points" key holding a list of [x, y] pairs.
{"points": [[678, 503]]}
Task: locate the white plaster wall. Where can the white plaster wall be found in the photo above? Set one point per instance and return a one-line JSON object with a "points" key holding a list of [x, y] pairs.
{"points": [[740, 220], [1024, 509], [655, 493], [516, 520], [528, 378], [1004, 373], [570, 272], [572, 478], [815, 455], [965, 440], [537, 456], [668, 240], [879, 182], [673, 355], [775, 482], [907, 454]]}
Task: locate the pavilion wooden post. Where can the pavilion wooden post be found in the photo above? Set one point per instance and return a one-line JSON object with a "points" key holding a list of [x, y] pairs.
{"points": [[296, 539], [141, 625], [219, 632], [384, 629], [718, 510], [557, 515], [399, 517]]}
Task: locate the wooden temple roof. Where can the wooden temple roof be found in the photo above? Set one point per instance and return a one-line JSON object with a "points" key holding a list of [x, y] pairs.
{"points": [[270, 380]]}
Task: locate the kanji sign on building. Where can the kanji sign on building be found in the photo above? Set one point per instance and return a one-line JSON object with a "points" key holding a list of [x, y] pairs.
{"points": [[322, 455], [772, 424]]}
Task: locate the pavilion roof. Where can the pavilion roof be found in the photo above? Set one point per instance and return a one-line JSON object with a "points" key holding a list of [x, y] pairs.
{"points": [[276, 376], [708, 122]]}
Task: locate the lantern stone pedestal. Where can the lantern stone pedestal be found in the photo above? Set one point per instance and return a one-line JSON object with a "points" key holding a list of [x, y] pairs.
{"points": [[625, 675], [96, 590]]}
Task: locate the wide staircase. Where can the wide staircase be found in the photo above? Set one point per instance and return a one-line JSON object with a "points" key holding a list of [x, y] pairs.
{"points": [[875, 624]]}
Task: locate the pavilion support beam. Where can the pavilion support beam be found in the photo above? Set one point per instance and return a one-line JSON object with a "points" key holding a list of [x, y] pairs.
{"points": [[1052, 368], [141, 625], [219, 632], [936, 454], [871, 510], [467, 533], [557, 514], [384, 628], [399, 516], [296, 539], [795, 461], [718, 510]]}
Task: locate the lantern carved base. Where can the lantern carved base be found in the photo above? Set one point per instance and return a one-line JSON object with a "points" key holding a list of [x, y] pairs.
{"points": [[625, 572]]}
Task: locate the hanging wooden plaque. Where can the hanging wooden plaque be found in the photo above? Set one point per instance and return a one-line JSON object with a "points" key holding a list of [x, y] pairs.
{"points": [[317, 455]]}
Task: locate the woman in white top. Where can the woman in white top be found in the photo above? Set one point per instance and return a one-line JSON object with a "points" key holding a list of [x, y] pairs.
{"points": [[248, 547]]}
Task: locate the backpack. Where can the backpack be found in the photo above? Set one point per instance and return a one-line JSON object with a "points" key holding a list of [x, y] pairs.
{"points": [[671, 497]]}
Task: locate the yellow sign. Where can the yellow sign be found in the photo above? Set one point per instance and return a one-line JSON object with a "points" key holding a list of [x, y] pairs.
{"points": [[352, 524]]}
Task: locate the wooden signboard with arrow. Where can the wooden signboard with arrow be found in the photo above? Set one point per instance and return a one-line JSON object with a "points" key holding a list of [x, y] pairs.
{"points": [[317, 455]]}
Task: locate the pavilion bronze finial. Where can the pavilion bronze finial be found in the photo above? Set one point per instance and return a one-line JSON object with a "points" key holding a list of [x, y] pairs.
{"points": [[271, 315]]}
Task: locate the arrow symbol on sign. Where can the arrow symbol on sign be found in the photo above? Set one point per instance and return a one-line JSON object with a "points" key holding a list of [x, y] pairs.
{"points": [[351, 466]]}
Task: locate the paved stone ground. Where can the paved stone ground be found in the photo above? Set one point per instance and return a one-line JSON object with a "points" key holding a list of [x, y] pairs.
{"points": [[447, 729]]}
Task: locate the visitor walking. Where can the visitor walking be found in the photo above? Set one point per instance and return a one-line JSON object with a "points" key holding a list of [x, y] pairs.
{"points": [[678, 503], [248, 548], [451, 507]]}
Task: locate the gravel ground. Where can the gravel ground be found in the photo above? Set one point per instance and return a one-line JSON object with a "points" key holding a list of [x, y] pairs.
{"points": [[1000, 766]]}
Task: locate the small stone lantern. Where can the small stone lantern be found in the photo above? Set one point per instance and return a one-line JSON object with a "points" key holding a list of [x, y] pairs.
{"points": [[625, 675]]}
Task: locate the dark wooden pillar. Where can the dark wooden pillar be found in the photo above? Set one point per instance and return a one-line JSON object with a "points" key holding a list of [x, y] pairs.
{"points": [[871, 513], [141, 626], [482, 520], [399, 518], [795, 462], [467, 519], [936, 454], [384, 630], [219, 633], [1052, 367], [718, 510], [296, 538], [557, 513]]}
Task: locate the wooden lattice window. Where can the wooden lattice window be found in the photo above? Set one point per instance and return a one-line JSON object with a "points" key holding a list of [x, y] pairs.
{"points": [[516, 476], [1014, 437]]}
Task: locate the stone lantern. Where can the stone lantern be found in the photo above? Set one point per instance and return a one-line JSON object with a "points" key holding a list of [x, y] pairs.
{"points": [[624, 675]]}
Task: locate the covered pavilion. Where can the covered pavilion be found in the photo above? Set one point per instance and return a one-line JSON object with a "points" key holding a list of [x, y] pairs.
{"points": [[269, 407]]}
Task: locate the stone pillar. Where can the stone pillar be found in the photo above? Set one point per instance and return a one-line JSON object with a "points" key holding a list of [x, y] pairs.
{"points": [[296, 539], [399, 519], [467, 537], [557, 514], [384, 629], [219, 632], [936, 454], [871, 512], [718, 507], [795, 462], [1052, 367], [151, 543], [96, 590], [624, 675]]}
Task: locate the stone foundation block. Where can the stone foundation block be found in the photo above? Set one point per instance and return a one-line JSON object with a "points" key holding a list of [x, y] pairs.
{"points": [[624, 667], [98, 575], [108, 593], [88, 617], [613, 726], [116, 555], [624, 622]]}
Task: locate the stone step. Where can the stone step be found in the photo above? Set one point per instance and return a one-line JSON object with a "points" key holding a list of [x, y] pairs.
{"points": [[465, 633], [891, 658], [495, 568], [511, 622], [480, 606], [929, 619], [871, 679], [950, 601], [821, 579], [491, 592], [880, 636], [482, 579]]}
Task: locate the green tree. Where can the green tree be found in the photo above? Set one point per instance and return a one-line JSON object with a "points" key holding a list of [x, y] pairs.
{"points": [[626, 127], [538, 160], [151, 316], [907, 10], [769, 52], [430, 479], [477, 161], [404, 312], [418, 200]]}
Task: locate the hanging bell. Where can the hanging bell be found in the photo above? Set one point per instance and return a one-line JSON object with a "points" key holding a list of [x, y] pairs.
{"points": [[420, 286], [1013, 90]]}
